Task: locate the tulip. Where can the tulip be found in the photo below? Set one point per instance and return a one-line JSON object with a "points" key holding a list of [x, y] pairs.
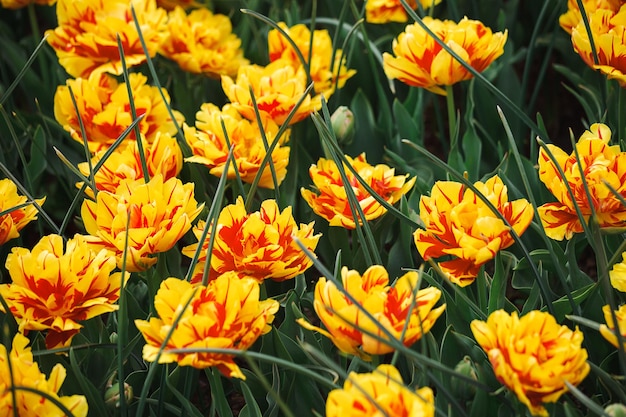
{"points": [[533, 355]]}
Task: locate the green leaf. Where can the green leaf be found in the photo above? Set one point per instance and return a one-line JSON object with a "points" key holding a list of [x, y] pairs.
{"points": [[94, 397], [562, 306], [405, 123], [219, 402], [251, 409], [367, 137], [37, 163], [472, 148], [497, 292]]}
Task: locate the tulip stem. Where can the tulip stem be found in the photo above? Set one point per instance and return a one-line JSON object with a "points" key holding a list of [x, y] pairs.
{"points": [[621, 107], [452, 126], [34, 26]]}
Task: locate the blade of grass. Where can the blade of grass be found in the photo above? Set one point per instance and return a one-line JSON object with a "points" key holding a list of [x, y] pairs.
{"points": [[529, 192], [22, 72], [362, 229], [270, 161], [184, 146], [211, 222], [294, 46], [133, 110], [270, 149]]}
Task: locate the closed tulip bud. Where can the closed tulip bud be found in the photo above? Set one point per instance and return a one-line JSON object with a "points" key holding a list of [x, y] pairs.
{"points": [[342, 121], [461, 388], [112, 394], [616, 410]]}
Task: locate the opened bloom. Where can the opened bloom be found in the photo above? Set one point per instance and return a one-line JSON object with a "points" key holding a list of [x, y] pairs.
{"points": [[154, 215], [259, 245], [19, 369], [54, 288], [379, 393], [17, 213], [330, 200], [570, 19], [617, 275], [459, 224], [226, 314], [533, 355], [277, 88], [86, 39], [202, 43], [608, 28], [163, 156], [385, 11], [602, 165], [104, 109], [420, 61], [401, 310], [327, 65], [608, 330], [210, 145]]}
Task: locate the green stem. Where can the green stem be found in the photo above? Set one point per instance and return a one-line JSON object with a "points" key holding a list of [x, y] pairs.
{"points": [[32, 17], [452, 126], [621, 107], [481, 285]]}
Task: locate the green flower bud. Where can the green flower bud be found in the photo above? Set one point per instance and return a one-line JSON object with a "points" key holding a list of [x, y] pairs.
{"points": [[342, 121], [112, 394], [616, 410], [461, 388]]}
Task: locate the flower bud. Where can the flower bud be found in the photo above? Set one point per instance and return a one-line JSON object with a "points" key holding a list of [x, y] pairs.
{"points": [[342, 121], [461, 388], [616, 410], [112, 394]]}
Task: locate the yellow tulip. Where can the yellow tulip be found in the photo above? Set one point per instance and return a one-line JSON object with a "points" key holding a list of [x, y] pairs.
{"points": [[460, 224], [226, 314], [210, 146], [327, 68], [330, 200], [601, 164], [104, 109], [379, 393], [617, 275], [608, 330], [163, 156], [157, 214], [202, 43], [16, 219], [54, 289], [24, 372], [570, 19], [260, 245], [608, 28], [533, 355], [277, 88], [420, 61], [385, 11], [86, 39], [400, 309]]}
